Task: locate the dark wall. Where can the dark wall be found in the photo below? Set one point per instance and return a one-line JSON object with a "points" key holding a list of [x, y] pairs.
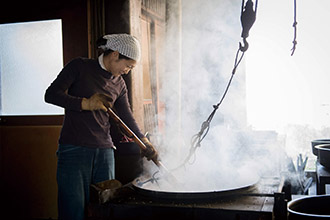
{"points": [[28, 171], [72, 12], [27, 152], [116, 16]]}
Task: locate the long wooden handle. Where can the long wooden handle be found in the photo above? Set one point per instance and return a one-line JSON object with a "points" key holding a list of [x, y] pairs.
{"points": [[136, 139]]}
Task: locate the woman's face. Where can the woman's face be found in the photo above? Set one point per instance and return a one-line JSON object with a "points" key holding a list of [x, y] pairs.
{"points": [[118, 66]]}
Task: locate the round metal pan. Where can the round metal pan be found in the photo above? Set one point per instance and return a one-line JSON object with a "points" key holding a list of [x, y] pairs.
{"points": [[309, 207], [246, 187], [324, 154], [318, 142]]}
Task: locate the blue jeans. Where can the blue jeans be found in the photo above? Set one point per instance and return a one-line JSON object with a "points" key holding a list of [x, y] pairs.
{"points": [[77, 168]]}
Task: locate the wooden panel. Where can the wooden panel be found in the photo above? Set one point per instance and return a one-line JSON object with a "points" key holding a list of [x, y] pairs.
{"points": [[152, 25], [28, 170], [145, 59], [31, 120], [155, 9]]}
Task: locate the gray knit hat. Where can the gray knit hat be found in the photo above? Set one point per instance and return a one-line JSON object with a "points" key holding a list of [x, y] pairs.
{"points": [[125, 44]]}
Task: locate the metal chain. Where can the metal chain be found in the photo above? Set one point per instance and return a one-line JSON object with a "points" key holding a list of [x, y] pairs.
{"points": [[248, 16], [205, 127], [294, 27]]}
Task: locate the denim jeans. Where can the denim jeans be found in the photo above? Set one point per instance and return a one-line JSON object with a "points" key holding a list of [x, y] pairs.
{"points": [[77, 168]]}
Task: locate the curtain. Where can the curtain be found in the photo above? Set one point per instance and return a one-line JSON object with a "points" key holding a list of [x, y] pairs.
{"points": [[96, 25]]}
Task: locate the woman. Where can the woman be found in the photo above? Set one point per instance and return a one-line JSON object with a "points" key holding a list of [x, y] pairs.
{"points": [[86, 88]]}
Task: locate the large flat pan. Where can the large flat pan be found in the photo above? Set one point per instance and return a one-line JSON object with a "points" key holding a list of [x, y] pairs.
{"points": [[150, 190]]}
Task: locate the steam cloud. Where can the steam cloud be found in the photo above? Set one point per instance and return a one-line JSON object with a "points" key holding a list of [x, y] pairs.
{"points": [[231, 155]]}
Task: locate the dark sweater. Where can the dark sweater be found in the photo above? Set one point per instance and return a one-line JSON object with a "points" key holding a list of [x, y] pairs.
{"points": [[84, 77]]}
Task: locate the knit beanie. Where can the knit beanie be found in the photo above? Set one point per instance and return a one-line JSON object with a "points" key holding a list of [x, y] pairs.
{"points": [[125, 44]]}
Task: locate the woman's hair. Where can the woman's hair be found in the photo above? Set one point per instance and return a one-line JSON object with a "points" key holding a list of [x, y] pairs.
{"points": [[101, 41]]}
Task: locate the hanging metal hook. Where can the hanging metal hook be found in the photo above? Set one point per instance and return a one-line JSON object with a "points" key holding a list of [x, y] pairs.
{"points": [[248, 17], [245, 47]]}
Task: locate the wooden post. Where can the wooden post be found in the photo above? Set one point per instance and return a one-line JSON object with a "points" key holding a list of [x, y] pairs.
{"points": [[136, 74]]}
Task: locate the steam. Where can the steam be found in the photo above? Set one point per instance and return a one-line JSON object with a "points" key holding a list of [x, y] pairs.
{"points": [[231, 155]]}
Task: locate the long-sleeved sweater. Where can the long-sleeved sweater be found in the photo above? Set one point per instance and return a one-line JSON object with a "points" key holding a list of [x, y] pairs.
{"points": [[81, 78]]}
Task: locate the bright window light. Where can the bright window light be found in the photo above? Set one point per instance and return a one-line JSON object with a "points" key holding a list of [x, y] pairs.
{"points": [[31, 56], [285, 90]]}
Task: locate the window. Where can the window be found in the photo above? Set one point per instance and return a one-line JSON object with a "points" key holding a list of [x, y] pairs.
{"points": [[31, 56], [289, 94]]}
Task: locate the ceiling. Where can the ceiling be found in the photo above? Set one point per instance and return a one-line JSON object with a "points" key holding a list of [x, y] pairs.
{"points": [[13, 11]]}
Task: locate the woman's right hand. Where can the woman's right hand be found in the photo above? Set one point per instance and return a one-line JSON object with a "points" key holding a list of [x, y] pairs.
{"points": [[150, 152], [96, 102]]}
